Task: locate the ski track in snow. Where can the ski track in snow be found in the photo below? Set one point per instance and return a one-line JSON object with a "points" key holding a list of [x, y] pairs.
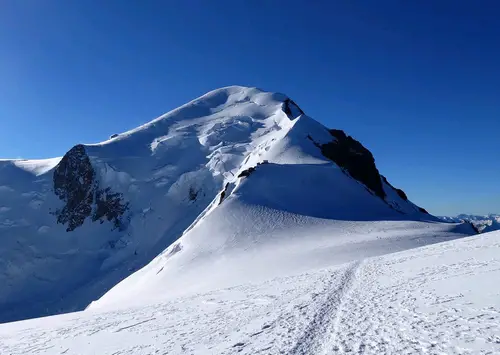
{"points": [[438, 299], [250, 319], [267, 318], [431, 311], [324, 324]]}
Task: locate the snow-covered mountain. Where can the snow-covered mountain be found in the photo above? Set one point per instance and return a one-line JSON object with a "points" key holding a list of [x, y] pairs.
{"points": [[237, 185], [483, 223]]}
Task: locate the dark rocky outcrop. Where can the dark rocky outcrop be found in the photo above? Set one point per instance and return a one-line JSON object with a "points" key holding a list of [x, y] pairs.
{"points": [[291, 109], [193, 194], [246, 172], [250, 170], [400, 192], [223, 194], [175, 249], [109, 206], [74, 180], [423, 210], [358, 161], [76, 185]]}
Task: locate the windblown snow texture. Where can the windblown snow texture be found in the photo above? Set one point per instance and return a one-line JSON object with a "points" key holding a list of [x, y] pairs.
{"points": [[233, 173], [438, 299]]}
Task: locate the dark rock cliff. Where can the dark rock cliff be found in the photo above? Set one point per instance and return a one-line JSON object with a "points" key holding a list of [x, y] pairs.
{"points": [[400, 192], [358, 161], [347, 153], [291, 109], [109, 206], [76, 185]]}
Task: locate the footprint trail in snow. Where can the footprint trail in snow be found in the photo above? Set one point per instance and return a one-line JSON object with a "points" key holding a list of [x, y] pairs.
{"points": [[437, 299]]}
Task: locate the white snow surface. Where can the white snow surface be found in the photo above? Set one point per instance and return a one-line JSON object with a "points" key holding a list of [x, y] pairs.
{"points": [[252, 237], [437, 299], [298, 211]]}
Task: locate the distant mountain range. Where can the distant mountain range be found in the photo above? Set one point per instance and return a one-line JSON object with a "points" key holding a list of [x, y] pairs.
{"points": [[483, 223]]}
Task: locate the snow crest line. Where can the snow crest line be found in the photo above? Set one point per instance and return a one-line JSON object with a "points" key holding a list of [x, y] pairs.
{"points": [[322, 329]]}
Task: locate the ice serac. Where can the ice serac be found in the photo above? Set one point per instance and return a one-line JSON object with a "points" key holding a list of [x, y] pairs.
{"points": [[210, 188]]}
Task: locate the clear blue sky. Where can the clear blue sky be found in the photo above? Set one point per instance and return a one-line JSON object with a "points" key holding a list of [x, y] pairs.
{"points": [[417, 82]]}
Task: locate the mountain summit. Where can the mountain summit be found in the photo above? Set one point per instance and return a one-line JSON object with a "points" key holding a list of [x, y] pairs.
{"points": [[232, 173]]}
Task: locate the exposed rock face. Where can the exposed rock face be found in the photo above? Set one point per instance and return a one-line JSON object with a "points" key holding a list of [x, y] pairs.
{"points": [[193, 194], [247, 172], [291, 109], [223, 194], [109, 205], [423, 210], [400, 192], [75, 184], [350, 155]]}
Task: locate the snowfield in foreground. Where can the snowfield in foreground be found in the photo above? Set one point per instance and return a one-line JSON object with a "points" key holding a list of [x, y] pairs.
{"points": [[438, 299]]}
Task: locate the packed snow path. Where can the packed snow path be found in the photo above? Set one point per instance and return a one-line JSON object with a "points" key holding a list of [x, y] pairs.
{"points": [[439, 299]]}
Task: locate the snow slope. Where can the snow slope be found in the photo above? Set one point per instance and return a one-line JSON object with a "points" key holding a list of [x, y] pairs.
{"points": [[71, 228], [437, 299], [254, 236]]}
